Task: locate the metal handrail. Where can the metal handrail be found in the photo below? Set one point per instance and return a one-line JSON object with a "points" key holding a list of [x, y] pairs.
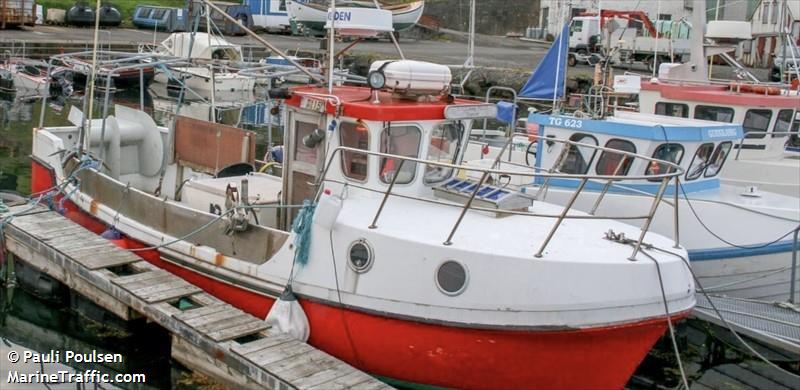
{"points": [[674, 172], [744, 137]]}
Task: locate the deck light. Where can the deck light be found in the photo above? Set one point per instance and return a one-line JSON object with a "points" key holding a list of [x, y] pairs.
{"points": [[376, 79]]}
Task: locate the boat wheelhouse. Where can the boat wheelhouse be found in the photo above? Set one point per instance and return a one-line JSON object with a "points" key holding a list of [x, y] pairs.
{"points": [[739, 239], [769, 115], [404, 267]]}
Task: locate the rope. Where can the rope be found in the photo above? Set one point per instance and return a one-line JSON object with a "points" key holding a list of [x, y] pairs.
{"points": [[669, 321], [302, 228]]}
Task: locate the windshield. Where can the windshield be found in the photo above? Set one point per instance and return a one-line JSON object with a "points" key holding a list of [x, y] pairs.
{"points": [[444, 147]]}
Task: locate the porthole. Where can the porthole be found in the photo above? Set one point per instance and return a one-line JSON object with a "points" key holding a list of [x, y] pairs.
{"points": [[451, 277], [360, 256]]}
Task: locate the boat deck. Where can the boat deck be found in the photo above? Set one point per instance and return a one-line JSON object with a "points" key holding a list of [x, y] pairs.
{"points": [[774, 324], [209, 335]]}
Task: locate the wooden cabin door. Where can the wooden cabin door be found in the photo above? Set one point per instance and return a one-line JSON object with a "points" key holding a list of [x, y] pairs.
{"points": [[302, 164]]}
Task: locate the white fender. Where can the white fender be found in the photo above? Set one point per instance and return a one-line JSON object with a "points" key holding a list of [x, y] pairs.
{"points": [[287, 316]]}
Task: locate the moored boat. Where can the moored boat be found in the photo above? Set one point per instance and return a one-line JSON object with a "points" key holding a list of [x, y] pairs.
{"points": [[208, 77], [739, 240], [313, 16], [398, 272]]}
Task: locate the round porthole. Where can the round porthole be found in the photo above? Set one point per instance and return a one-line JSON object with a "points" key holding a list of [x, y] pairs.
{"points": [[451, 277], [360, 256]]}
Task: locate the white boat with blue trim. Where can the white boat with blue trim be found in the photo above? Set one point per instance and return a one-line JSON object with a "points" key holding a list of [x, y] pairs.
{"points": [[739, 240]]}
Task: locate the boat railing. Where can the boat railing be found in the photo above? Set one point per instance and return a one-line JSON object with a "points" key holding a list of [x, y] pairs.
{"points": [[673, 173], [721, 82]]}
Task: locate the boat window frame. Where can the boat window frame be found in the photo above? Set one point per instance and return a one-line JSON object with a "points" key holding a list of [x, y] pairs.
{"points": [[625, 169], [702, 106], [713, 156], [758, 134], [460, 146], [700, 172], [382, 160], [345, 153], [778, 133], [661, 166], [683, 105], [574, 147]]}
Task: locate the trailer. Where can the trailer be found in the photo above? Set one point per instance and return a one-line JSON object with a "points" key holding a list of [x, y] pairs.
{"points": [[17, 13], [630, 37]]}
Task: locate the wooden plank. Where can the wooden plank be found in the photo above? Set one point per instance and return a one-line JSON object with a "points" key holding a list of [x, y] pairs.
{"points": [[98, 250], [261, 344], [206, 299], [106, 260], [327, 375], [156, 280], [300, 365], [187, 315], [224, 323], [248, 328], [129, 279], [351, 379], [279, 352], [373, 384], [158, 285], [168, 295], [227, 313]]}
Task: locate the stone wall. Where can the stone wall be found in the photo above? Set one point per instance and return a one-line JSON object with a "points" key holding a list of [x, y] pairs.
{"points": [[494, 17]]}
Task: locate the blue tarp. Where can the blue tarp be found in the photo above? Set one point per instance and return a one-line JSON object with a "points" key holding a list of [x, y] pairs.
{"points": [[547, 80]]}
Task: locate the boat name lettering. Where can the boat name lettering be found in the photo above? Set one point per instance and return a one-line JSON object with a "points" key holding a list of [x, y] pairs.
{"points": [[726, 132], [312, 104], [566, 122], [344, 16]]}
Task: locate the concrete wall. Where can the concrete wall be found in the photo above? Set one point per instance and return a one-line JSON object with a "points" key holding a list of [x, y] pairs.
{"points": [[494, 17]]}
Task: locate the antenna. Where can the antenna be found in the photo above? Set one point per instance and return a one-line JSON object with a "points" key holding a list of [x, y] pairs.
{"points": [[331, 33]]}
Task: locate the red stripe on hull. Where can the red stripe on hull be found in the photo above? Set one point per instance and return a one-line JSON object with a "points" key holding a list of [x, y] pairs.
{"points": [[443, 355]]}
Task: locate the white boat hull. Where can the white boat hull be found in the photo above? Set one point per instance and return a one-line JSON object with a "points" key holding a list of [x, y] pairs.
{"points": [[756, 273], [199, 80]]}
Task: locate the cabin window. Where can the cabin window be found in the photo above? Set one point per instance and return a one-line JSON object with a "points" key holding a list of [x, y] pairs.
{"points": [[782, 123], [356, 136], [579, 158], [615, 164], [401, 141], [302, 152], [282, 5], [718, 159], [444, 147], [714, 113], [577, 26], [672, 109], [756, 123], [666, 152], [700, 161]]}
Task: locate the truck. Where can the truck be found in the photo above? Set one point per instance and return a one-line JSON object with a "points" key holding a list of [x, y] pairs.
{"points": [[629, 37]]}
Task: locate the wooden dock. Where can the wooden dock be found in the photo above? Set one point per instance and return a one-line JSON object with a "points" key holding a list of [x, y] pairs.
{"points": [[208, 335]]}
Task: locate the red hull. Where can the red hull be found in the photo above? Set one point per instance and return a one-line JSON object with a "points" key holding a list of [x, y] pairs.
{"points": [[437, 354]]}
